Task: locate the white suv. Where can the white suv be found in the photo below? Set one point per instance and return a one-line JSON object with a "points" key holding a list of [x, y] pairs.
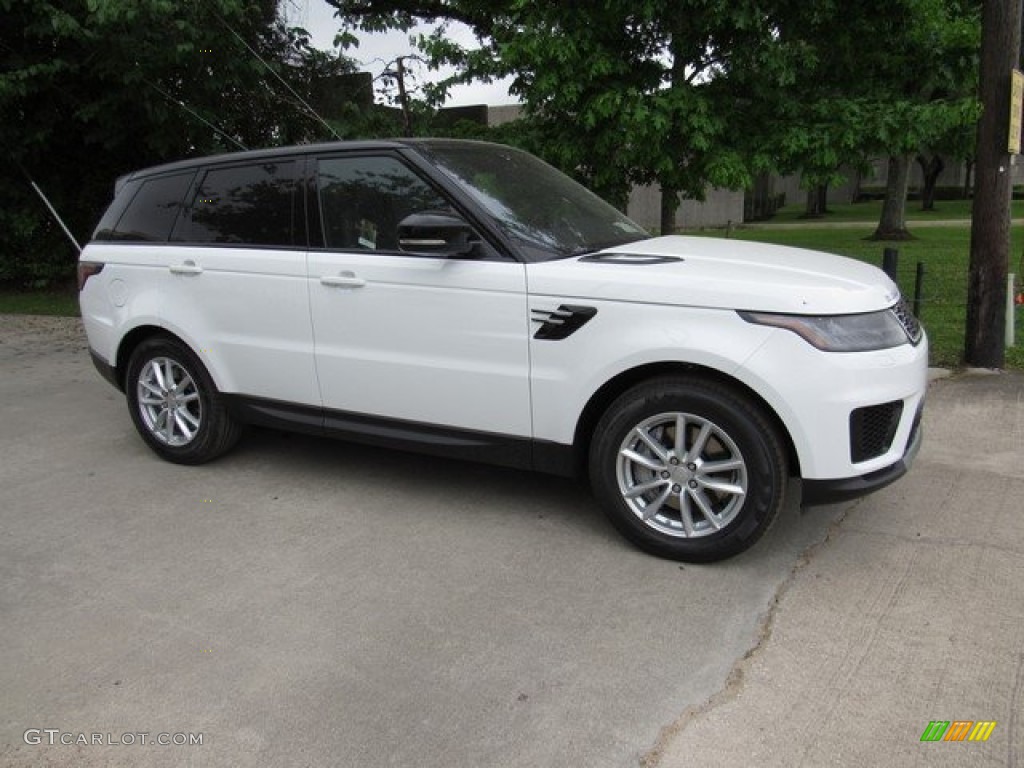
{"points": [[465, 299]]}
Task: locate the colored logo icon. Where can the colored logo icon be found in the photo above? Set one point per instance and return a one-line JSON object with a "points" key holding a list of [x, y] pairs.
{"points": [[958, 730]]}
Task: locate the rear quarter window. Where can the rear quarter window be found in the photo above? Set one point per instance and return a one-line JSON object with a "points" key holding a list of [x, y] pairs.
{"points": [[152, 209]]}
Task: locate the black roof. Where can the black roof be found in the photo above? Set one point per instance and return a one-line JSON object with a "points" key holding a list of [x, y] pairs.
{"points": [[278, 152]]}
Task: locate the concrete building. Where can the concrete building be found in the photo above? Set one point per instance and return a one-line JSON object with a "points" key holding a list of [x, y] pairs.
{"points": [[872, 183], [719, 209]]}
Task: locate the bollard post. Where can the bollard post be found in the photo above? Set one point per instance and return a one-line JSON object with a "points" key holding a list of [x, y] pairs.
{"points": [[1010, 330], [918, 289], [890, 263]]}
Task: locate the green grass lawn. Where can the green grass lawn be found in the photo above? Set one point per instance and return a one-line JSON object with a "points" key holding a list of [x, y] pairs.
{"points": [[943, 251], [62, 303]]}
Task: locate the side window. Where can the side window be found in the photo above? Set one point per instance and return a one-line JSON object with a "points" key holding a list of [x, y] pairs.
{"points": [[151, 214], [254, 204], [362, 200]]}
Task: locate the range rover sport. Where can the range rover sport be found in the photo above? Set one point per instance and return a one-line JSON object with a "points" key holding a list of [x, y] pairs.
{"points": [[468, 300]]}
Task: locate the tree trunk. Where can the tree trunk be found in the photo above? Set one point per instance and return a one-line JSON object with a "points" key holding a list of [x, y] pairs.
{"points": [[931, 169], [990, 225], [811, 209], [817, 197], [670, 187], [858, 180], [669, 206], [893, 223]]}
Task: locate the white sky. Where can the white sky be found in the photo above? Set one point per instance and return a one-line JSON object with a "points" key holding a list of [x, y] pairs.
{"points": [[376, 50]]}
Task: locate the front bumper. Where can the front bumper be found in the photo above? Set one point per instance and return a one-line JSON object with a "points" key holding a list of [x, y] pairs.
{"points": [[849, 415], [819, 492]]}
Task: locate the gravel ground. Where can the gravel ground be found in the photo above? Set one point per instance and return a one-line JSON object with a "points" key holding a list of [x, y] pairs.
{"points": [[23, 337]]}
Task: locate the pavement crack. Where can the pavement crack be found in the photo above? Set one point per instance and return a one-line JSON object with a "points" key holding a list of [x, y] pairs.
{"points": [[734, 682]]}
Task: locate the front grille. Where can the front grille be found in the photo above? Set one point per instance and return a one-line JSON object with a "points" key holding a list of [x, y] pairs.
{"points": [[872, 430], [910, 323]]}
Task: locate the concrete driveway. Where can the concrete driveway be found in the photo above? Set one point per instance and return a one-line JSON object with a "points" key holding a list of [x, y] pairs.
{"points": [[304, 602]]}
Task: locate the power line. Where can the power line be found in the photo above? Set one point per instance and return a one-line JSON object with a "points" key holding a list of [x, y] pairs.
{"points": [[195, 114], [272, 71]]}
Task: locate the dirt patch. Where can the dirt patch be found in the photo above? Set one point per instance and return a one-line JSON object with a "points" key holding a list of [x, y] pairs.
{"points": [[24, 337]]}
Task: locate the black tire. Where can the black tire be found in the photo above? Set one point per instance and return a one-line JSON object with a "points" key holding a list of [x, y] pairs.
{"points": [[654, 488], [188, 423]]}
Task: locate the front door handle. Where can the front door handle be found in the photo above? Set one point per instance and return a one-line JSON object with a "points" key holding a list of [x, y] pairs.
{"points": [[343, 280], [188, 267]]}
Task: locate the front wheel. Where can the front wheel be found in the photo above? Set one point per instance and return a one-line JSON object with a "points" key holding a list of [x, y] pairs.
{"points": [[174, 404], [688, 469]]}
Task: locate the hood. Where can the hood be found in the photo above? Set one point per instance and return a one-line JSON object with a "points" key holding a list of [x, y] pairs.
{"points": [[723, 274]]}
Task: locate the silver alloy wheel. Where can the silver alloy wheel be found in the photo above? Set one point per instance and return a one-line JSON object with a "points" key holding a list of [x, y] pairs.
{"points": [[682, 475], [169, 402]]}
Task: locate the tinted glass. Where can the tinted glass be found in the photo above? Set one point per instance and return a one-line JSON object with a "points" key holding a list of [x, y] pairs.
{"points": [[548, 213], [363, 199], [252, 204], [151, 214]]}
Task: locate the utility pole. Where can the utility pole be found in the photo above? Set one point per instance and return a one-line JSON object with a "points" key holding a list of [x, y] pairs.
{"points": [[403, 97], [990, 228]]}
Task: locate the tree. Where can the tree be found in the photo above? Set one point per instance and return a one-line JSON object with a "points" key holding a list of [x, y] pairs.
{"points": [[855, 81], [89, 91], [626, 92], [687, 94], [957, 144], [932, 165], [932, 101], [990, 226], [931, 76]]}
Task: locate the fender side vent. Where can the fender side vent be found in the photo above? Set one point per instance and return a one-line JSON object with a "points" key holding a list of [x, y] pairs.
{"points": [[561, 323]]}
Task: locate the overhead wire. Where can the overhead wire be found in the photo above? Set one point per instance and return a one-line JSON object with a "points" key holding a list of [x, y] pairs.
{"points": [[195, 114], [274, 72]]}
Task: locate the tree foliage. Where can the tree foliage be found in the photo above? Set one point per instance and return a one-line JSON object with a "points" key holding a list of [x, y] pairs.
{"points": [[91, 90], [681, 94], [853, 82], [696, 92], [626, 92]]}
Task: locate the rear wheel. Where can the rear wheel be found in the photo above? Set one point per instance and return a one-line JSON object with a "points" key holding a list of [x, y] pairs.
{"points": [[174, 404], [688, 469]]}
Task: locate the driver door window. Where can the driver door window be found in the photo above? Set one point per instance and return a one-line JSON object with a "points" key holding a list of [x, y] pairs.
{"points": [[363, 199]]}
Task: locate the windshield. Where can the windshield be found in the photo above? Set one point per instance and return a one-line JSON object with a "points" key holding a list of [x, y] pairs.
{"points": [[548, 214]]}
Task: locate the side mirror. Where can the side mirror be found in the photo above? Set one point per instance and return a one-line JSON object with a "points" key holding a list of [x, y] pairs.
{"points": [[438, 234]]}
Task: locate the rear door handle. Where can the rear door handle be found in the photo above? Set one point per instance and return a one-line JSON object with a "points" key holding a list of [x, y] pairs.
{"points": [[343, 280], [188, 267]]}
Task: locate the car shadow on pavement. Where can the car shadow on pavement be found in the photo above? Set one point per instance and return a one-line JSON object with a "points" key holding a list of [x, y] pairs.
{"points": [[469, 491], [431, 479]]}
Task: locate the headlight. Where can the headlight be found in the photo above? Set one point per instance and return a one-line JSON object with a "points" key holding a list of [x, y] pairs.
{"points": [[839, 333]]}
